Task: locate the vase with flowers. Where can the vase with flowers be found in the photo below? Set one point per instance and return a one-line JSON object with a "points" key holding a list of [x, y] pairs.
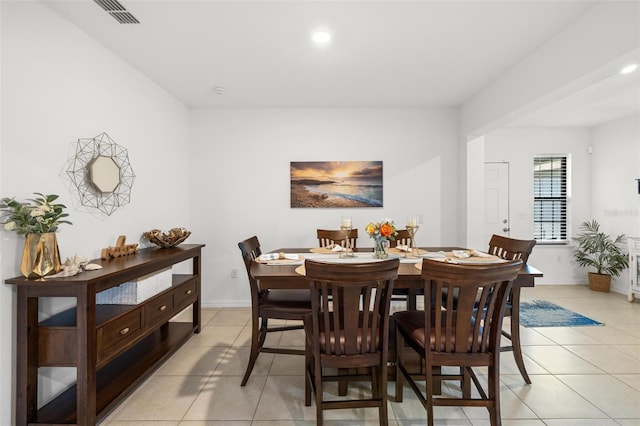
{"points": [[381, 232], [38, 220]]}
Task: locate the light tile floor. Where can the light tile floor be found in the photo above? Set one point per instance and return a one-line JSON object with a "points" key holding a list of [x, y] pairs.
{"points": [[587, 376]]}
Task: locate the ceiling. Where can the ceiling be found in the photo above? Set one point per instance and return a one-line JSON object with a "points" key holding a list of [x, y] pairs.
{"points": [[611, 97], [382, 53]]}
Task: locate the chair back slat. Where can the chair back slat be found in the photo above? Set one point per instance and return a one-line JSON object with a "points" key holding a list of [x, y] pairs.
{"points": [[325, 297], [470, 316], [350, 305]]}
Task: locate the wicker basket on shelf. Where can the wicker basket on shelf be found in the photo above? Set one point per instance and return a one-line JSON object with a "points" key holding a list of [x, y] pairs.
{"points": [[171, 238]]}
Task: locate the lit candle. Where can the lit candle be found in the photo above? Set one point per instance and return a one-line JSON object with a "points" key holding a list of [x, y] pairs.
{"points": [[412, 221], [346, 221]]}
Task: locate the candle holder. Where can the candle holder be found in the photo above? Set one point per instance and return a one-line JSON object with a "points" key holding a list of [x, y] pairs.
{"points": [[348, 251], [412, 228], [346, 226]]}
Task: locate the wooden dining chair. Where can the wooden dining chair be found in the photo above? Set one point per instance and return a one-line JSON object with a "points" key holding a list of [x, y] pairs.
{"points": [[270, 304], [512, 249], [330, 237], [402, 238], [463, 336], [348, 330]]}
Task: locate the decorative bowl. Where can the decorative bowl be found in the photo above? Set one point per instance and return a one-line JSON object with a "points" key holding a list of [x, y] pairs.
{"points": [[167, 239]]}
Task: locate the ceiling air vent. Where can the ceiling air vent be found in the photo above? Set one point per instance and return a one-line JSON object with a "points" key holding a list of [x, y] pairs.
{"points": [[117, 11]]}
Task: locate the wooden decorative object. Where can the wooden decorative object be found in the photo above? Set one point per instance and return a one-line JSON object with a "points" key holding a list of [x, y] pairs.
{"points": [[121, 249], [171, 238]]}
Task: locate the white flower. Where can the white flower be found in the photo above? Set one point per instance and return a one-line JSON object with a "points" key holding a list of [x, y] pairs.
{"points": [[37, 212], [10, 226]]}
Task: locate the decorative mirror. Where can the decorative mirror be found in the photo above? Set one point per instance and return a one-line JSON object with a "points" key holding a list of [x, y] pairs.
{"points": [[104, 174], [100, 174]]}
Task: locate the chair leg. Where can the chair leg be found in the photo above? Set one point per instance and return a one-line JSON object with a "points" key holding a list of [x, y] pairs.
{"points": [[494, 395], [382, 392], [257, 340], [466, 383], [319, 393], [429, 393], [411, 299], [399, 361], [343, 384], [436, 385], [307, 378], [374, 372], [515, 334]]}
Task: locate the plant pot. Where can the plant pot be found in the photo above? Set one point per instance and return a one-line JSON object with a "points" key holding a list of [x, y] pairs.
{"points": [[41, 255], [599, 282]]}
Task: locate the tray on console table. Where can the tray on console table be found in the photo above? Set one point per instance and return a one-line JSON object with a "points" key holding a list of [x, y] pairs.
{"points": [[113, 347]]}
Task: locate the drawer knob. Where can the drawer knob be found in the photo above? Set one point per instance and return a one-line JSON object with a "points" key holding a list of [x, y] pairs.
{"points": [[189, 291], [163, 307], [124, 331]]}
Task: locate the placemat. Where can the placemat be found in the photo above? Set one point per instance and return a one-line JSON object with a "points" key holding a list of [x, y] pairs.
{"points": [[413, 253], [472, 260], [280, 261], [324, 250]]}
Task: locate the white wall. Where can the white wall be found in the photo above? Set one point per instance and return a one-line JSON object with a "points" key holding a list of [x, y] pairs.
{"points": [[59, 85], [615, 166], [240, 160], [517, 147], [595, 46], [581, 55]]}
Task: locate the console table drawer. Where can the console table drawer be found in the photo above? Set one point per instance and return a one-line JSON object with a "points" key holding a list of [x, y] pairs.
{"points": [[186, 294], [118, 334], [159, 310]]}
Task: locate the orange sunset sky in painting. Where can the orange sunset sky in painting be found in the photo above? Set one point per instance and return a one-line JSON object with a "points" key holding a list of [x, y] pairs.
{"points": [[337, 170]]}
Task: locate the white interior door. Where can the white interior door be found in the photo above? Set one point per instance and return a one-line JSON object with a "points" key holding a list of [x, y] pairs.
{"points": [[496, 199]]}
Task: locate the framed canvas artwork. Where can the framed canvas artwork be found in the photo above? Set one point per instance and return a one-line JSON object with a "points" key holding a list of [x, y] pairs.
{"points": [[326, 184]]}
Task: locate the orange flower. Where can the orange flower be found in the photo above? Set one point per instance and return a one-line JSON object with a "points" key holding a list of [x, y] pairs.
{"points": [[386, 230]]}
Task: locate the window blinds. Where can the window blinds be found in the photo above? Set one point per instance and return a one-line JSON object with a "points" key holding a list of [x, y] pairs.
{"points": [[550, 198]]}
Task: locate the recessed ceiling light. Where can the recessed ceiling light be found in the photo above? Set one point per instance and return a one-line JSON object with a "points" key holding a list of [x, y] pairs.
{"points": [[629, 69], [321, 37]]}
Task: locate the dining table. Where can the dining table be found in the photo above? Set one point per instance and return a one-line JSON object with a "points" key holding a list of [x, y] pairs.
{"points": [[282, 274], [283, 269]]}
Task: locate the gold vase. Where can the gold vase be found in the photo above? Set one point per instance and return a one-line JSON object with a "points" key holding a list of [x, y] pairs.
{"points": [[41, 255]]}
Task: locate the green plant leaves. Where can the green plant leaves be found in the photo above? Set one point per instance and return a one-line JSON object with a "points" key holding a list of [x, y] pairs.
{"points": [[598, 250]]}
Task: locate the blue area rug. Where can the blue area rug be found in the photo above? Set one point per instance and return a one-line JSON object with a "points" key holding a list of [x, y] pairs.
{"points": [[541, 313]]}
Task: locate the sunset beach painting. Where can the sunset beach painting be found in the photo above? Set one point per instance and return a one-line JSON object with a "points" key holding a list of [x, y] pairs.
{"points": [[323, 184]]}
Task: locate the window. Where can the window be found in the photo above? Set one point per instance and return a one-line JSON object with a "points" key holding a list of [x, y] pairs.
{"points": [[550, 198]]}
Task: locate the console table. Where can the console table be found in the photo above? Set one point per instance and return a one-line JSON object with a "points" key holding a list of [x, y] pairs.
{"points": [[113, 347]]}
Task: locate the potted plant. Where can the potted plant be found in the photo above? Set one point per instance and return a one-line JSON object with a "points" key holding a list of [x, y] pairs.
{"points": [[598, 250]]}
